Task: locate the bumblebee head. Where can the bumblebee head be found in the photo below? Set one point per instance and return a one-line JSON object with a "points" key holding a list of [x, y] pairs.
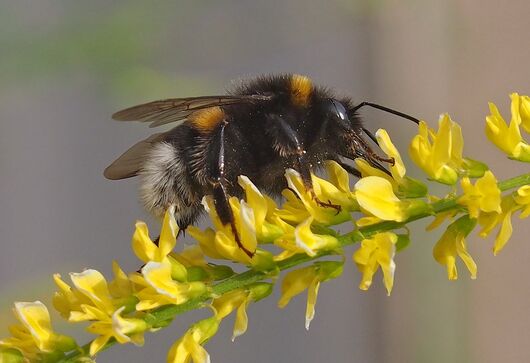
{"points": [[335, 120], [336, 113]]}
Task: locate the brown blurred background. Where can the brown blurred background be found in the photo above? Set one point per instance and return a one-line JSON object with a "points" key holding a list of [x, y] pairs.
{"points": [[66, 66]]}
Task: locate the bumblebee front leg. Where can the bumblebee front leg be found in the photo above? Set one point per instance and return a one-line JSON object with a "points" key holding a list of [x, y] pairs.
{"points": [[220, 184], [289, 145]]}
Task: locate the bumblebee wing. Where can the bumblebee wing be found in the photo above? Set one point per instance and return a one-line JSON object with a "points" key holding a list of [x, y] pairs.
{"points": [[179, 109], [131, 161]]}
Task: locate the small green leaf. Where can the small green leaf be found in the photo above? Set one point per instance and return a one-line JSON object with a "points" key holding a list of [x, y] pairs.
{"points": [[403, 242]]}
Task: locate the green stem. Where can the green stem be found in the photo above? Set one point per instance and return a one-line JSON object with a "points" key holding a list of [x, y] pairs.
{"points": [[164, 314]]}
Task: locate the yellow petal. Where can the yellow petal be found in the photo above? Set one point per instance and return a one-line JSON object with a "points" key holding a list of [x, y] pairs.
{"points": [[248, 228], [158, 276], [255, 199], [312, 294], [505, 232], [524, 111], [168, 234], [338, 176], [206, 241], [465, 256], [376, 196], [98, 344], [142, 245], [398, 169], [442, 147], [123, 327], [367, 221], [241, 322], [93, 285], [228, 302], [310, 242], [66, 300], [121, 286], [227, 247]]}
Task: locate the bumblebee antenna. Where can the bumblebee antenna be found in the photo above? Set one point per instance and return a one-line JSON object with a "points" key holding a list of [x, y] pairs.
{"points": [[386, 109]]}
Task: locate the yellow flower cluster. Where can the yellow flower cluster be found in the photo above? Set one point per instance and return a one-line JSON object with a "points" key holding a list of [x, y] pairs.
{"points": [[483, 201], [281, 237]]}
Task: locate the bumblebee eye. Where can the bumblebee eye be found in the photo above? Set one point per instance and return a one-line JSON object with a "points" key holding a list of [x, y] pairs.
{"points": [[336, 111]]}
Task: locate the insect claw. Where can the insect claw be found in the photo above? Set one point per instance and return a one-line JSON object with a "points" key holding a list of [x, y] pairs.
{"points": [[327, 204]]}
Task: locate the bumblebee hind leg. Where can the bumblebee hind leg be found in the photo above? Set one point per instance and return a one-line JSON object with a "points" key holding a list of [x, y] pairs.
{"points": [[220, 185]]}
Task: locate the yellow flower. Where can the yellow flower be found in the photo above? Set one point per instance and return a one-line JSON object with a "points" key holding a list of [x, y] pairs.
{"points": [[489, 221], [93, 286], [439, 154], [508, 138], [220, 243], [522, 198], [224, 240], [302, 204], [295, 282], [484, 196], [239, 299], [262, 208], [453, 244], [189, 347], [155, 287], [91, 289], [377, 251], [146, 249], [35, 334], [93, 299], [123, 330], [375, 195], [303, 240]]}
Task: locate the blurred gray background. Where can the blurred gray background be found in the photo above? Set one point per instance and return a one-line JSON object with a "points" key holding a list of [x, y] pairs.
{"points": [[66, 66]]}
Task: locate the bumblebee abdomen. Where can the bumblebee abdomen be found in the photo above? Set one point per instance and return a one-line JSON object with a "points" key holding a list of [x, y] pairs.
{"points": [[166, 179]]}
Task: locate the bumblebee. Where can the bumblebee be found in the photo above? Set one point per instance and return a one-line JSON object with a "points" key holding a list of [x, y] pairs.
{"points": [[259, 129]]}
